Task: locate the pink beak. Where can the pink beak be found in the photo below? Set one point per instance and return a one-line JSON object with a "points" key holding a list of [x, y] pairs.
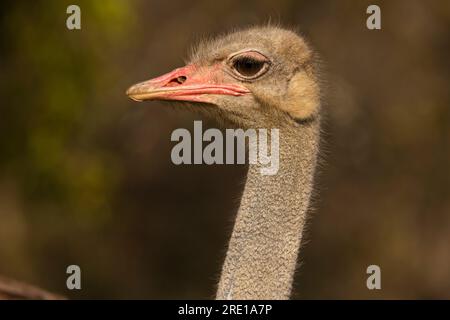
{"points": [[188, 83]]}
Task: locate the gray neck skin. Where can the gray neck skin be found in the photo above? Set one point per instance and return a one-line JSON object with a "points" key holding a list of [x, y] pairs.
{"points": [[263, 249]]}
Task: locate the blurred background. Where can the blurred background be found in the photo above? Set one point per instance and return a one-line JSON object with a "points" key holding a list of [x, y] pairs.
{"points": [[86, 176]]}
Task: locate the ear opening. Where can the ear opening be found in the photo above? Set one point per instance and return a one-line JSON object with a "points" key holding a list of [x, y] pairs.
{"points": [[303, 97]]}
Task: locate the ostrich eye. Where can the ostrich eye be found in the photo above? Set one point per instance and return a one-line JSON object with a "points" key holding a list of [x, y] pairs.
{"points": [[249, 65]]}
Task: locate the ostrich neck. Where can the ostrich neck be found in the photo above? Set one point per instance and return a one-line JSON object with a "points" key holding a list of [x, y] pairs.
{"points": [[264, 245]]}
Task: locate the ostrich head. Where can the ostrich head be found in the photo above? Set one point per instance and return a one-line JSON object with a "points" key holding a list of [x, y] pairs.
{"points": [[251, 78]]}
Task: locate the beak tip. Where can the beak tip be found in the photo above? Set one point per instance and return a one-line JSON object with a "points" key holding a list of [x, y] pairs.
{"points": [[132, 94], [130, 90]]}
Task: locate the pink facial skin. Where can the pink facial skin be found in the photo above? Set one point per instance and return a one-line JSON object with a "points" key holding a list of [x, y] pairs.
{"points": [[188, 83]]}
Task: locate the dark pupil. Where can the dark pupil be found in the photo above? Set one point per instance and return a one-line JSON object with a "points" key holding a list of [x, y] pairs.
{"points": [[248, 67]]}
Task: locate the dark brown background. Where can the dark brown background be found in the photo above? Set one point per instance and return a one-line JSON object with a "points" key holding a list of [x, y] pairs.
{"points": [[86, 176]]}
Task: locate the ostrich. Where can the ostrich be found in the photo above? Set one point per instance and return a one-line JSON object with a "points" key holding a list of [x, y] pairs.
{"points": [[261, 77]]}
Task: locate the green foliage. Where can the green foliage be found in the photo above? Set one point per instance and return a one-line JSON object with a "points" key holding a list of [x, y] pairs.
{"points": [[49, 81]]}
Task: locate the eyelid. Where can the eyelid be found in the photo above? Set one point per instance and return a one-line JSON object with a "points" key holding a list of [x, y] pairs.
{"points": [[253, 53]]}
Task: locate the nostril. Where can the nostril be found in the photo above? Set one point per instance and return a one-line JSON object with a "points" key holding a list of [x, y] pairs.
{"points": [[177, 80], [181, 79]]}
